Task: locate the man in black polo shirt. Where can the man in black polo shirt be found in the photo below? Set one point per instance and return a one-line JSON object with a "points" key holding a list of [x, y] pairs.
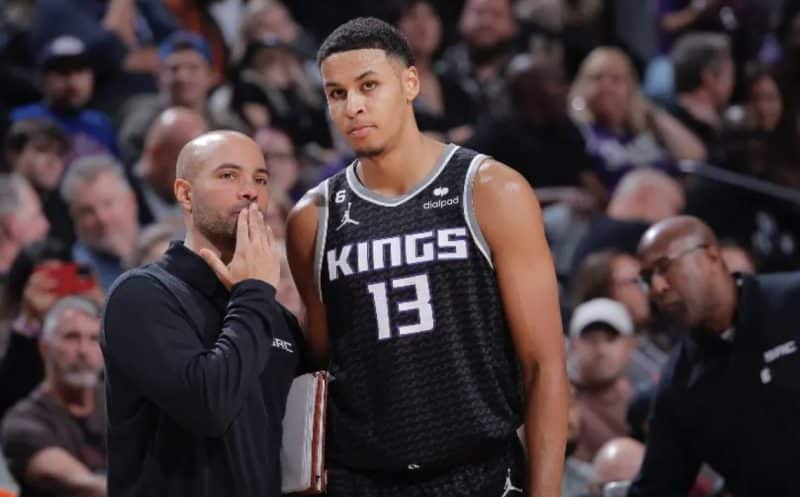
{"points": [[730, 394], [199, 355]]}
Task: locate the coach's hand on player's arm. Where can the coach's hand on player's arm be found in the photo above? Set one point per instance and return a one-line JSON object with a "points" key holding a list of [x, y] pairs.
{"points": [[255, 257], [510, 218]]}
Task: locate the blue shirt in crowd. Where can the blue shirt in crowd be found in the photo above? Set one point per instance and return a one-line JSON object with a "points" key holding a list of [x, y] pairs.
{"points": [[90, 131]]}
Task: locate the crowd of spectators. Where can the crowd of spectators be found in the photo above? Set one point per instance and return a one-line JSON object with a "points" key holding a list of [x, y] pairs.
{"points": [[620, 113]]}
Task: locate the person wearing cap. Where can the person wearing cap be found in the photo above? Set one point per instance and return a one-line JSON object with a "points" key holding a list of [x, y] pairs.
{"points": [[600, 344], [730, 394], [66, 80], [615, 275], [121, 36], [185, 77]]}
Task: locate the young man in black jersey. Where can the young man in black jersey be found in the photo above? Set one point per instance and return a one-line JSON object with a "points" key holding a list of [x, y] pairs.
{"points": [[431, 297]]}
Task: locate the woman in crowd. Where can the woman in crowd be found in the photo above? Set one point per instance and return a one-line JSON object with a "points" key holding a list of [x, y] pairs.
{"points": [[442, 107], [272, 89], [771, 124], [623, 130]]}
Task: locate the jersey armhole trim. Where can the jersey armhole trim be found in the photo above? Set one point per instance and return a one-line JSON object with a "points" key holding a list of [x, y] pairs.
{"points": [[322, 234], [469, 209]]}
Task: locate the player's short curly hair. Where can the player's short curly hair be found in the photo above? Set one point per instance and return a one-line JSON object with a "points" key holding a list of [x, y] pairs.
{"points": [[366, 32]]}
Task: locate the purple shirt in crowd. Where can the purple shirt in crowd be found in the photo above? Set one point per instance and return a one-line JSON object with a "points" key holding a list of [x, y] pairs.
{"points": [[614, 154]]}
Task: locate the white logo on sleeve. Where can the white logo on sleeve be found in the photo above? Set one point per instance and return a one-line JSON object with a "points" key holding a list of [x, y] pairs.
{"points": [[766, 376], [781, 350], [441, 191], [285, 345], [510, 486], [773, 354], [346, 219]]}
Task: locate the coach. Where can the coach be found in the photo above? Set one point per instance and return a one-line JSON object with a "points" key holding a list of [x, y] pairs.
{"points": [[730, 394], [199, 355]]}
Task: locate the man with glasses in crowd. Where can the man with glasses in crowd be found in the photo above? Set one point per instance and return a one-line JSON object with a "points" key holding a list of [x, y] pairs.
{"points": [[730, 394]]}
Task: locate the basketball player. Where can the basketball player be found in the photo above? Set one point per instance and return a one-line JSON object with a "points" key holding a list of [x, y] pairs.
{"points": [[431, 297]]}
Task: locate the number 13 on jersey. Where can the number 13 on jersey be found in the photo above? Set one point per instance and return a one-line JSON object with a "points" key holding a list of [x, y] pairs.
{"points": [[421, 304]]}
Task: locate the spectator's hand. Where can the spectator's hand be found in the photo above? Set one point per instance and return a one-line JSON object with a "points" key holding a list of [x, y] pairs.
{"points": [[39, 295], [142, 60], [641, 111], [120, 17], [256, 255]]}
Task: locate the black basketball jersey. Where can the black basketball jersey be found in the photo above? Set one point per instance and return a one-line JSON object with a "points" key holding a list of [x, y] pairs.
{"points": [[424, 366]]}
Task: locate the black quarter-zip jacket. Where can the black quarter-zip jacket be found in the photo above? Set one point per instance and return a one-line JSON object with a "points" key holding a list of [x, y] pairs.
{"points": [[732, 403], [196, 381]]}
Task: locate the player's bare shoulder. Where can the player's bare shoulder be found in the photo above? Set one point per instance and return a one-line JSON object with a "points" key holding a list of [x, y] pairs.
{"points": [[309, 203], [498, 186], [306, 210], [302, 223]]}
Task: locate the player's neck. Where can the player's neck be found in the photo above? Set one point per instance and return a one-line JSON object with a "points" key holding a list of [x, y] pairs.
{"points": [[402, 167]]}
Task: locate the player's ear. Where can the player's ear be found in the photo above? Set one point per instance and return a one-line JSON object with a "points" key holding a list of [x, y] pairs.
{"points": [[183, 193], [410, 77]]}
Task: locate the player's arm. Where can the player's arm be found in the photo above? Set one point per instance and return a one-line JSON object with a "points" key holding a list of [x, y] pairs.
{"points": [[301, 241], [53, 469], [509, 216]]}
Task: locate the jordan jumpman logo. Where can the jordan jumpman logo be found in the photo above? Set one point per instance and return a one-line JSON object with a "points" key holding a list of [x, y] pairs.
{"points": [[509, 486], [346, 219]]}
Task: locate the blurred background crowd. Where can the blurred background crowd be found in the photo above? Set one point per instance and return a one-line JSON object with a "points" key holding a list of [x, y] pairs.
{"points": [[620, 113]]}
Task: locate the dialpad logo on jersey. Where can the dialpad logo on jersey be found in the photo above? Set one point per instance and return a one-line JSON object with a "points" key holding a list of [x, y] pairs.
{"points": [[443, 202], [415, 248]]}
